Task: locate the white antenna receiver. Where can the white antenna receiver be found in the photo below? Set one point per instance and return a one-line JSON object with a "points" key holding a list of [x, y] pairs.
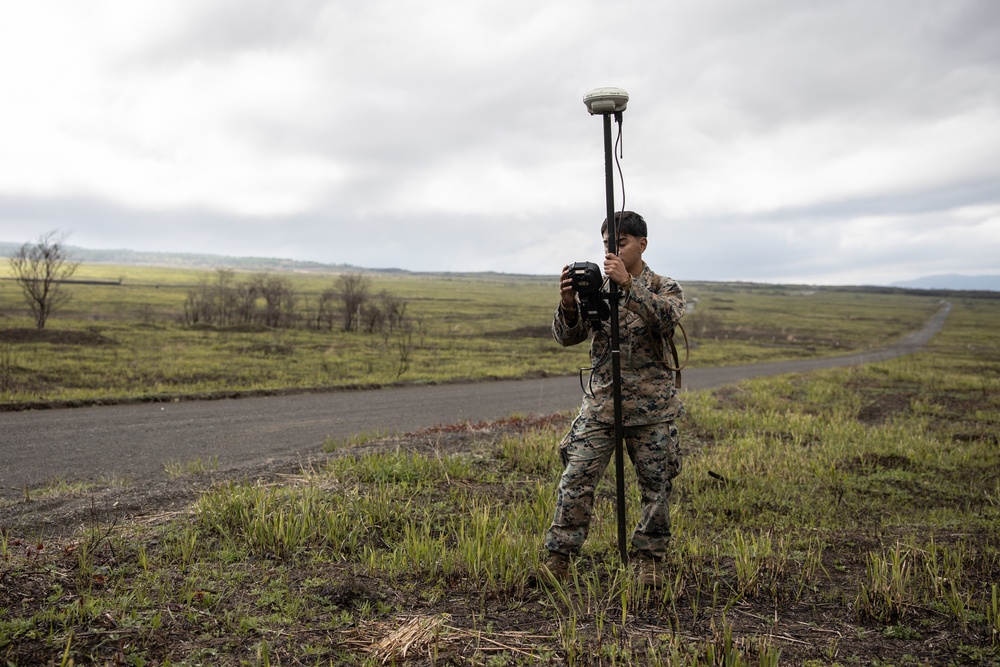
{"points": [[606, 100]]}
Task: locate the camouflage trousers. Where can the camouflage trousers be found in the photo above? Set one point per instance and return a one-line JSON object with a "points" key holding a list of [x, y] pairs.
{"points": [[585, 453]]}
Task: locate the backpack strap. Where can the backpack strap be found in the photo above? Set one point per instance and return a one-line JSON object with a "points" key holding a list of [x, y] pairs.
{"points": [[677, 363], [677, 366], [654, 285]]}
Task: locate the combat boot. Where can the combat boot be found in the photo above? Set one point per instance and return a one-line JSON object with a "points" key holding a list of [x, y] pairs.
{"points": [[554, 570], [650, 571]]}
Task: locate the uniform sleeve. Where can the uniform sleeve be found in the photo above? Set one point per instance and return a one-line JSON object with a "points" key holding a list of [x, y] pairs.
{"points": [[661, 309], [569, 330]]}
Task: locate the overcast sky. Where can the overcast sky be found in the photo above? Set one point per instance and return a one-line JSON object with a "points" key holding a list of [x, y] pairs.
{"points": [[826, 142]]}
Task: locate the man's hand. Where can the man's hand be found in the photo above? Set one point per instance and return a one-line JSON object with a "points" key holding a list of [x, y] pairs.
{"points": [[566, 291], [615, 269]]}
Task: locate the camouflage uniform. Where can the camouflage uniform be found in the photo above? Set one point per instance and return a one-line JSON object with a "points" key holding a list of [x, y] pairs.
{"points": [[647, 314]]}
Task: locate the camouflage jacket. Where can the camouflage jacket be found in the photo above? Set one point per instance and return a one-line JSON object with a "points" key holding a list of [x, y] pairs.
{"points": [[647, 315]]}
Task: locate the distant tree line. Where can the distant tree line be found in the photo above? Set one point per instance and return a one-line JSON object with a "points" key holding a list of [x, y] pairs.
{"points": [[270, 300]]}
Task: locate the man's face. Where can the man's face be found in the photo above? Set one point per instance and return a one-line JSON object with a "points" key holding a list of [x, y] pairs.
{"points": [[630, 249]]}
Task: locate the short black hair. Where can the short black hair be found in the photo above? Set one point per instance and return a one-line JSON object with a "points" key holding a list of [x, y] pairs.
{"points": [[627, 222]]}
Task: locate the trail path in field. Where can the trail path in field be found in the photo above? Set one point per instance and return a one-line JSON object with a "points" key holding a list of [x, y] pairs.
{"points": [[135, 442]]}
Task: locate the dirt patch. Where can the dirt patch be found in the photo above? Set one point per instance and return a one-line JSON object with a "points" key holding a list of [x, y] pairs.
{"points": [[55, 337], [349, 590], [872, 461], [46, 515], [991, 438], [884, 407]]}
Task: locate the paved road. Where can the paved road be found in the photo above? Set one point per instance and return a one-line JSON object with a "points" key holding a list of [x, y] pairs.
{"points": [[137, 441]]}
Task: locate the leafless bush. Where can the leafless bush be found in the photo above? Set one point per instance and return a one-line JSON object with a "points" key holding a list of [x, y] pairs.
{"points": [[42, 269], [353, 291], [267, 300]]}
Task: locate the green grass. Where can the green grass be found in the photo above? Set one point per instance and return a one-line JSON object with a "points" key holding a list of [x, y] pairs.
{"points": [[127, 341], [842, 517], [197, 466]]}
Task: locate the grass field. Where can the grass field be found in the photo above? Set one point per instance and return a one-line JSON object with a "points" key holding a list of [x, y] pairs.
{"points": [[126, 340], [844, 517]]}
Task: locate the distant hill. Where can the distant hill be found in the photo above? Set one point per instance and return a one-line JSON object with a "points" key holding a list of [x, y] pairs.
{"points": [[272, 264], [953, 281], [187, 260], [211, 262]]}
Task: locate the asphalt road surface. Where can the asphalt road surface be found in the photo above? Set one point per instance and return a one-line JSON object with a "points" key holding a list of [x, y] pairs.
{"points": [[136, 441]]}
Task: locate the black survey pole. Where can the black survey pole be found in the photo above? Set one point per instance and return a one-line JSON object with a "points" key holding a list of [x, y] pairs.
{"points": [[616, 368], [608, 101]]}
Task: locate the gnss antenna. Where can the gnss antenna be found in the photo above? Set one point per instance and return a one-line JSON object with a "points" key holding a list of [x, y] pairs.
{"points": [[608, 102]]}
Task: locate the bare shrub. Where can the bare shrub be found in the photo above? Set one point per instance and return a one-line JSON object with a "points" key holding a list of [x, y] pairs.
{"points": [[42, 269], [353, 290]]}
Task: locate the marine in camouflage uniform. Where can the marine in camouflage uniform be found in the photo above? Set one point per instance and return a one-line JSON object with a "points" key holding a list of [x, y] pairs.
{"points": [[649, 308]]}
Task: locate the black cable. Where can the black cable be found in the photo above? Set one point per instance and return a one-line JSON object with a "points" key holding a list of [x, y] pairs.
{"points": [[619, 153], [589, 389]]}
